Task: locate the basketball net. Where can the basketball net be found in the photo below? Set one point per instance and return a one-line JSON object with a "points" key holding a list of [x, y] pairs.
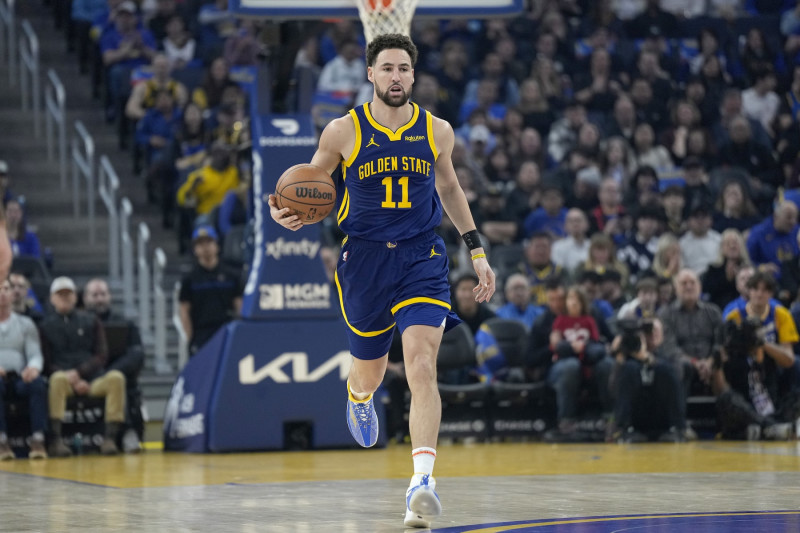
{"points": [[386, 16]]}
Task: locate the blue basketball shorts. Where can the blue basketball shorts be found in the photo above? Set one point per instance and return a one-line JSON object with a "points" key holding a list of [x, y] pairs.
{"points": [[386, 284]]}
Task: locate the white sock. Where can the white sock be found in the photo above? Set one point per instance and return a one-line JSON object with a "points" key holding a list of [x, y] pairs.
{"points": [[423, 463], [357, 396]]}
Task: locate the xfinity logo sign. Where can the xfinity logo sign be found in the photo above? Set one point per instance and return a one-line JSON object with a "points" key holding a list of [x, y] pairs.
{"points": [[294, 296], [297, 371], [281, 247]]}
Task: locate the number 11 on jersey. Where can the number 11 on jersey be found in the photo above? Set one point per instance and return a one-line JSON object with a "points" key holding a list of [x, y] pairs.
{"points": [[404, 203]]}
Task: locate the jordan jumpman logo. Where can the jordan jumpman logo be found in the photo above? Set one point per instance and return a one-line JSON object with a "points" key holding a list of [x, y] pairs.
{"points": [[433, 251], [372, 142]]}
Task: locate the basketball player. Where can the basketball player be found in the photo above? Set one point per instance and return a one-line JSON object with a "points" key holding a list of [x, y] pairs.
{"points": [[392, 270]]}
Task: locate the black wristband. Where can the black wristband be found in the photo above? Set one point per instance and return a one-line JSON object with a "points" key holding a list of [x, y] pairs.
{"points": [[472, 239]]}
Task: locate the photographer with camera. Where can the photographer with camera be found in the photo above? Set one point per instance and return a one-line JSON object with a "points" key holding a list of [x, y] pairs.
{"points": [[757, 356], [645, 385]]}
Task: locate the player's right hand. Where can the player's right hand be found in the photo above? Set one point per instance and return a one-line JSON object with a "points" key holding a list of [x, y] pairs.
{"points": [[284, 216]]}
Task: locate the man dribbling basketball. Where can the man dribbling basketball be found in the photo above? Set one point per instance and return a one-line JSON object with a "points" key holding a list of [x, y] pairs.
{"points": [[398, 174]]}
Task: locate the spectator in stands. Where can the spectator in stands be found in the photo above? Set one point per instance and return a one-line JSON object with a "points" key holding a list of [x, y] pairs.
{"points": [[21, 366], [526, 193], [742, 277], [747, 377], [536, 109], [643, 374], [124, 47], [210, 295], [719, 281], [24, 299], [244, 47], [485, 103], [611, 289], [696, 94], [23, 241], [550, 217], [692, 332], [209, 95], [493, 219], [345, 73], [530, 149], [159, 22], [774, 240], [757, 55], [640, 247], [518, 298], [234, 208], [731, 108], [178, 44], [591, 282], [602, 257], [700, 146], [216, 25], [617, 161], [598, 88], [464, 305], [609, 216], [734, 209], [622, 122], [700, 245], [143, 96], [652, 16], [84, 13], [696, 190], [644, 305], [643, 189], [539, 267], [673, 201], [563, 134], [667, 261], [760, 102], [646, 152], [492, 68], [126, 357], [154, 132], [578, 359], [572, 250], [650, 70], [648, 110], [685, 116], [76, 354], [205, 188]]}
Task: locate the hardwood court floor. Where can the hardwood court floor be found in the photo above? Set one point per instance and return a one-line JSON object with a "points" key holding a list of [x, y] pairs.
{"points": [[704, 486]]}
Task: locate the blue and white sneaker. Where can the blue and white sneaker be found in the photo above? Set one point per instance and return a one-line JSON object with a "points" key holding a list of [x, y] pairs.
{"points": [[362, 421], [422, 503]]}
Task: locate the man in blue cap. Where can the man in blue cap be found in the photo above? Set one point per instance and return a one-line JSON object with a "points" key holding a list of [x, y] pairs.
{"points": [[210, 294]]}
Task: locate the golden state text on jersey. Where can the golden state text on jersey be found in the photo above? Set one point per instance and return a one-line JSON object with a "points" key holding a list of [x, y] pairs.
{"points": [[388, 192]]}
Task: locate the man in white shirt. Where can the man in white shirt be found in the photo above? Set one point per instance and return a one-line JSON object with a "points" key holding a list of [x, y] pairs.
{"points": [[700, 245], [345, 72], [573, 249], [760, 102]]}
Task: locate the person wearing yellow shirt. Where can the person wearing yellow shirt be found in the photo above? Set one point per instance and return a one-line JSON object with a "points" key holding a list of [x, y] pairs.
{"points": [[205, 188]]}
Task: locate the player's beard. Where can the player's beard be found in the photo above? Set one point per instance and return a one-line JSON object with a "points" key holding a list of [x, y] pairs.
{"points": [[393, 100]]}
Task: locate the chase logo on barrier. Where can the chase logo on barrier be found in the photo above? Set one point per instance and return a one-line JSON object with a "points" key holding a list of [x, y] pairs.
{"points": [[295, 296], [282, 247], [248, 375], [180, 403]]}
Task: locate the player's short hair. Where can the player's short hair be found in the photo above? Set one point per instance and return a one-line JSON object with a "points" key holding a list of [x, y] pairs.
{"points": [[390, 41]]}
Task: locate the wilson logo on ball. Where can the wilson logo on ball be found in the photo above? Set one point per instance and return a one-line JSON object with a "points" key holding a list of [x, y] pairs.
{"points": [[312, 193]]}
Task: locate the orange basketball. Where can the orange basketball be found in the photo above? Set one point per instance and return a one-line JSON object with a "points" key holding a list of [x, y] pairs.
{"points": [[308, 191]]}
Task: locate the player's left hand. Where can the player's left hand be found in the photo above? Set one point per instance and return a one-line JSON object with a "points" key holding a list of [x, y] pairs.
{"points": [[486, 280]]}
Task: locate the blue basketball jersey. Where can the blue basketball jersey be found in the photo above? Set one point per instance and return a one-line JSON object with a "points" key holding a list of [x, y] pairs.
{"points": [[387, 191]]}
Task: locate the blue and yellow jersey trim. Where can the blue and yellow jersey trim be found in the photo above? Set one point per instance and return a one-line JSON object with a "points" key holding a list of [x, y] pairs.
{"points": [[356, 147], [393, 135], [431, 140], [344, 209], [344, 314], [420, 300]]}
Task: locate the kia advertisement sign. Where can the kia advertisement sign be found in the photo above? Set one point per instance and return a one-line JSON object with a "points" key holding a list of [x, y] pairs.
{"points": [[287, 278]]}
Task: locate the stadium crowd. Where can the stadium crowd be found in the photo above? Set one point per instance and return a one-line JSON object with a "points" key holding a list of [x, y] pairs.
{"points": [[632, 165]]}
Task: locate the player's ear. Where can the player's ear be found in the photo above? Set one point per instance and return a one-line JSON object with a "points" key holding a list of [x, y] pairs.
{"points": [[369, 74]]}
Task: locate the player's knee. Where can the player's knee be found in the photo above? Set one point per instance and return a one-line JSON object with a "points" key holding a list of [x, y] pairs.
{"points": [[421, 370]]}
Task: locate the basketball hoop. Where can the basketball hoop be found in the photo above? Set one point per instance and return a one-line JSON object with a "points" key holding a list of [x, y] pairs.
{"points": [[386, 16]]}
